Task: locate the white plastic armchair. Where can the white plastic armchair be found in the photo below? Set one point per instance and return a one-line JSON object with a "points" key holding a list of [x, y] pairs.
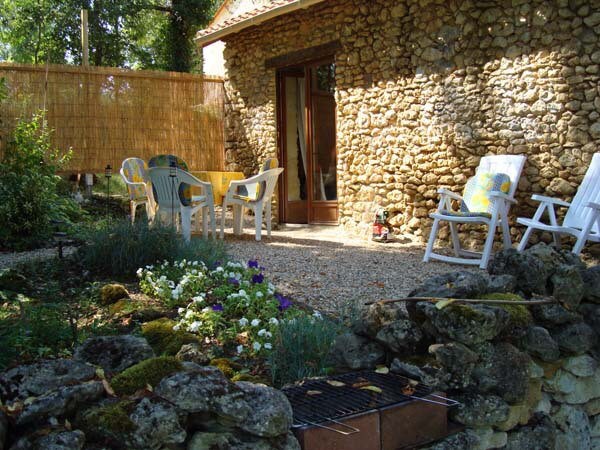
{"points": [[169, 202], [259, 190], [583, 215], [134, 172], [497, 215]]}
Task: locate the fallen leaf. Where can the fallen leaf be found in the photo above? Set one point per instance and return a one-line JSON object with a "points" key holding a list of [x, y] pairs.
{"points": [[150, 388], [444, 303], [408, 390], [68, 425], [361, 384], [372, 388], [412, 382], [100, 373], [29, 400], [382, 369], [108, 388], [336, 383], [313, 392]]}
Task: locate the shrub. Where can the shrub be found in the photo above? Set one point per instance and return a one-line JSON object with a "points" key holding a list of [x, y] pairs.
{"points": [[148, 372], [232, 305], [29, 186], [301, 348], [119, 249]]}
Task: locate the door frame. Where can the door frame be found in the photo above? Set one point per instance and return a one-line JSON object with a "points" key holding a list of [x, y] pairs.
{"points": [[297, 69]]}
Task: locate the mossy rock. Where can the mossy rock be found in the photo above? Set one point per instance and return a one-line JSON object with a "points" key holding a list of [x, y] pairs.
{"points": [[112, 293], [122, 307], [148, 372], [164, 339], [250, 378], [519, 314], [226, 366], [112, 418]]}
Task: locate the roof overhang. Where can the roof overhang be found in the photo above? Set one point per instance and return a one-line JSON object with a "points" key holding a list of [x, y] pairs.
{"points": [[206, 37]]}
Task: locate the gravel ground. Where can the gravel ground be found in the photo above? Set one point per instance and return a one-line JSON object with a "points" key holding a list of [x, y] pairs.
{"points": [[327, 269], [12, 259]]}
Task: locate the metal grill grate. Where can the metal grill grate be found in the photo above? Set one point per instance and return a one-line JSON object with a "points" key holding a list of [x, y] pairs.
{"points": [[323, 400]]}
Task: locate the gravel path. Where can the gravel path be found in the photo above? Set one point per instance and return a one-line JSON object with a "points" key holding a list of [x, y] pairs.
{"points": [[327, 269], [12, 259]]}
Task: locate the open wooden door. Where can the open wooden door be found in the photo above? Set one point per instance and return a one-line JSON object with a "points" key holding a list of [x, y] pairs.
{"points": [[307, 139]]}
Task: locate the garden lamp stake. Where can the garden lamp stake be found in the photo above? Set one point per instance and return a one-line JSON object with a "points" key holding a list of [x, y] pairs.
{"points": [[108, 175], [172, 175]]}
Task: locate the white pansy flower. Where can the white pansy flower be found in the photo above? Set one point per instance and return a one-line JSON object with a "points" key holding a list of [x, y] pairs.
{"points": [[139, 272], [243, 321], [198, 299], [317, 315], [268, 345], [176, 327], [239, 349], [195, 326], [262, 332], [258, 294], [189, 314], [256, 346], [242, 293], [219, 269], [274, 321], [207, 309], [269, 334], [255, 322], [180, 310]]}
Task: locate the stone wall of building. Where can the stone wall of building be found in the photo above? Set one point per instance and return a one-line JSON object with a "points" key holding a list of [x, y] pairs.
{"points": [[424, 88]]}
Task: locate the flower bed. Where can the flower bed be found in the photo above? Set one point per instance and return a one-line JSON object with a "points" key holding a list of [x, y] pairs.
{"points": [[232, 305]]}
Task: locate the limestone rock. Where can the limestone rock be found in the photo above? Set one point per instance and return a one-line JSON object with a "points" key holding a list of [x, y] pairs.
{"points": [[581, 366], [567, 285], [194, 353], [477, 410], [427, 374], [539, 343], [591, 280], [552, 315], [530, 272], [230, 441], [453, 285], [539, 433], [194, 391], [63, 440], [401, 336], [577, 390], [157, 424], [488, 438], [465, 440], [574, 338], [3, 428], [39, 378], [356, 352], [112, 293], [114, 353], [502, 283], [375, 317], [458, 362], [595, 426], [573, 428], [468, 324], [64, 400], [270, 411], [502, 370]]}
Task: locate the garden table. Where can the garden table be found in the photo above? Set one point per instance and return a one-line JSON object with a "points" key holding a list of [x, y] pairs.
{"points": [[219, 181]]}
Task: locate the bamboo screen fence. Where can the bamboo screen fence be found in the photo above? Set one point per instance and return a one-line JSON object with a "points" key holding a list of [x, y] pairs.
{"points": [[107, 114]]}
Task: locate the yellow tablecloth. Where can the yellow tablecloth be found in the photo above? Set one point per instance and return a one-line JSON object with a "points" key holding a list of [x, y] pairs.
{"points": [[220, 182]]}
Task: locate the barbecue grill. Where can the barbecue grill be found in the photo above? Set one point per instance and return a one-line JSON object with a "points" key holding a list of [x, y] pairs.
{"points": [[366, 410]]}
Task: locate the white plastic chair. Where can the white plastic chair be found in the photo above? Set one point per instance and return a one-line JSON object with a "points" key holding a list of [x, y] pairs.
{"points": [[134, 172], [169, 202], [583, 214], [259, 190], [510, 165]]}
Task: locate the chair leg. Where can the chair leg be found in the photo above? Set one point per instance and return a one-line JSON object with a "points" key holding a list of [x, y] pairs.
{"points": [[258, 212], [186, 224], [132, 207], [487, 248], [525, 239], [238, 219], [204, 223], [223, 211], [268, 218], [149, 212], [213, 223], [556, 241], [584, 233], [430, 242], [455, 238], [506, 234]]}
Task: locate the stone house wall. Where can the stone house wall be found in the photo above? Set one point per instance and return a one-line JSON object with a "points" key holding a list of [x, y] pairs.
{"points": [[424, 88]]}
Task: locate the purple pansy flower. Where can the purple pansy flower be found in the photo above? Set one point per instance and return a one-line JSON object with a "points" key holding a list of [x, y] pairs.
{"points": [[253, 264], [217, 307], [284, 302], [233, 281], [258, 278]]}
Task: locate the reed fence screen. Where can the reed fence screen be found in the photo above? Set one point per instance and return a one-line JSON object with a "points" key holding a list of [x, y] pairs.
{"points": [[107, 114]]}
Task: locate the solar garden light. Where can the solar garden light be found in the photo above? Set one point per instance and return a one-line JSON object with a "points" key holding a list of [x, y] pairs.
{"points": [[108, 175], [172, 175]]}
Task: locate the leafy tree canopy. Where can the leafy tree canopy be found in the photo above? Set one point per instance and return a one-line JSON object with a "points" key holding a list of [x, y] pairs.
{"points": [[144, 34]]}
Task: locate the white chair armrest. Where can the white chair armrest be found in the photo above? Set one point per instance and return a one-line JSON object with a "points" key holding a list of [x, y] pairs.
{"points": [[252, 180], [130, 183], [503, 196], [593, 205], [447, 193], [545, 199]]}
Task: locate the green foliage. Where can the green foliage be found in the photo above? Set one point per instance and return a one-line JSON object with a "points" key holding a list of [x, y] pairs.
{"points": [[301, 349], [113, 417], [119, 249], [232, 305], [155, 34], [148, 372], [164, 339], [29, 186]]}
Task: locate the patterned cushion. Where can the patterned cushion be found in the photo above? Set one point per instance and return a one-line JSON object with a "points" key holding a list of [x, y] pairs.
{"points": [[251, 195], [185, 190], [476, 194], [135, 169]]}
